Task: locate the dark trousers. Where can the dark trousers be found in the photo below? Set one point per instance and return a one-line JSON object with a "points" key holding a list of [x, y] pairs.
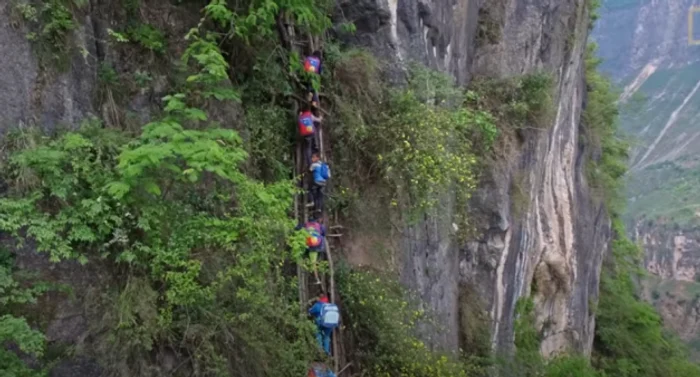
{"points": [[313, 94], [317, 193], [309, 147]]}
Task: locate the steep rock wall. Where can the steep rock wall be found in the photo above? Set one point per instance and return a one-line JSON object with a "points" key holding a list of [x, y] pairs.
{"points": [[558, 242], [30, 94]]}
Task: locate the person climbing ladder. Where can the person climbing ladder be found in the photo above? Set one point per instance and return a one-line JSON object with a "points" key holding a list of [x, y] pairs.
{"points": [[321, 174], [312, 66], [315, 242], [308, 123], [327, 317]]}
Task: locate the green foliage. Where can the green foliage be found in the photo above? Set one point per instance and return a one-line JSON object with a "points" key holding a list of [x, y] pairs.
{"points": [[601, 119], [16, 330], [148, 37], [145, 35], [520, 102], [570, 366], [666, 192], [422, 139], [425, 149], [527, 339], [519, 194], [593, 15], [269, 133], [255, 19], [383, 320], [527, 360]]}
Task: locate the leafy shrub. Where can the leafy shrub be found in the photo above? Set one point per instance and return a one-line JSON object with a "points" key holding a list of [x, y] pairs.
{"points": [[15, 330], [269, 137], [148, 37], [421, 139], [570, 366], [520, 102]]}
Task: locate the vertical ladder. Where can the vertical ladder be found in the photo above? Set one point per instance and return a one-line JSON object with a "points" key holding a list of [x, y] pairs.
{"points": [[301, 212]]}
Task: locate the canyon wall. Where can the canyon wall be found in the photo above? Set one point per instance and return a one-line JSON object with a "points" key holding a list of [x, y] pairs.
{"points": [[557, 239]]}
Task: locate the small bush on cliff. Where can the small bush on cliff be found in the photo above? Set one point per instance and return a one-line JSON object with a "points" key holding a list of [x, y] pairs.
{"points": [[51, 23], [421, 141], [519, 102]]}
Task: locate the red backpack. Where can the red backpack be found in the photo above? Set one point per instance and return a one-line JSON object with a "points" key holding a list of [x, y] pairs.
{"points": [[314, 239], [306, 124], [312, 64]]}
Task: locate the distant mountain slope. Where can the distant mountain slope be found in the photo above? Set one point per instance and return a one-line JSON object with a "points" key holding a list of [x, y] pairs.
{"points": [[646, 50]]}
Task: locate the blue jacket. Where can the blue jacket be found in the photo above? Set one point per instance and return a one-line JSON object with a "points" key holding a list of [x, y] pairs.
{"points": [[315, 310]]}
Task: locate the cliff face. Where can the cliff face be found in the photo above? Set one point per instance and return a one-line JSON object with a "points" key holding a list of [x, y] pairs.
{"points": [[557, 242], [672, 258], [550, 248]]}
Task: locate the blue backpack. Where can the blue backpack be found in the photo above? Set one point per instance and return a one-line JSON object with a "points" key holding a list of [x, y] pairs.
{"points": [[325, 171], [330, 316], [322, 172]]}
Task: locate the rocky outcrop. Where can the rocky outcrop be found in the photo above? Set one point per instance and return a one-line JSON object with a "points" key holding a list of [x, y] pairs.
{"points": [[558, 241], [672, 259], [671, 253]]}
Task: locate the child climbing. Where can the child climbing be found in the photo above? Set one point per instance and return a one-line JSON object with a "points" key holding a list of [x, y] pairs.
{"points": [[327, 317], [313, 65], [321, 173], [308, 123], [315, 242]]}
